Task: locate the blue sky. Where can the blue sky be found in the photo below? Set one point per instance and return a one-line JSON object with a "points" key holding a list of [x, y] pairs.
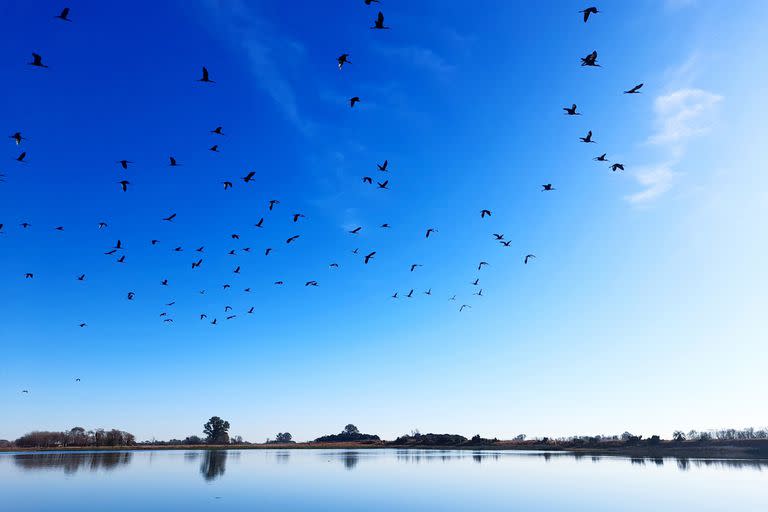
{"points": [[643, 309]]}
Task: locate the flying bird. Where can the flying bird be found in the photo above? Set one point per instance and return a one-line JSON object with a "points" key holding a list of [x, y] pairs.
{"points": [[588, 138], [333, 265], [121, 259], [29, 275], [353, 100], [102, 225], [200, 249], [601, 158], [164, 282], [356, 230], [430, 231], [227, 308], [227, 184], [368, 2], [395, 295], [634, 90], [196, 264], [218, 130], [343, 59], [170, 217], [25, 225], [415, 265], [59, 228], [476, 282], [386, 226], [428, 292], [479, 294], [237, 270], [269, 250], [279, 283], [505, 244], [249, 177], [483, 213], [529, 257], [499, 236], [464, 306], [310, 283], [617, 167], [383, 185], [37, 61], [124, 163], [205, 77], [369, 257], [227, 286], [214, 148], [588, 11], [547, 188], [81, 277], [571, 111], [272, 203], [64, 16], [297, 216], [292, 239], [235, 236], [131, 295], [124, 185], [590, 60], [21, 156], [379, 23], [383, 167], [154, 242], [17, 138], [250, 311], [260, 224], [480, 266], [410, 294], [367, 179]]}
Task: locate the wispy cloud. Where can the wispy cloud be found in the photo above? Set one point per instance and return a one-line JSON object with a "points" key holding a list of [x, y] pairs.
{"points": [[656, 179], [265, 49]]}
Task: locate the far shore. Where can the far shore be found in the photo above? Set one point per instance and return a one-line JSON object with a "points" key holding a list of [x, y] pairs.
{"points": [[730, 450]]}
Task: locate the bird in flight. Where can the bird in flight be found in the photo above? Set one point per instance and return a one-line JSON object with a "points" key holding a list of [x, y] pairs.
{"points": [[415, 265], [170, 217], [369, 257], [260, 224], [200, 249], [118, 245], [356, 230], [386, 226], [547, 188], [601, 158], [81, 277], [213, 322], [428, 292], [214, 148], [333, 265], [102, 225], [379, 23], [227, 184], [394, 296], [227, 286], [237, 270], [218, 130], [353, 100], [227, 308], [383, 167], [272, 203], [383, 185], [279, 283], [235, 236], [368, 2], [634, 90], [617, 167], [297, 216], [131, 295], [25, 225], [571, 111], [250, 311], [410, 294], [452, 298], [367, 179], [124, 163], [479, 294], [164, 282], [483, 213], [21, 157], [25, 391], [173, 162], [121, 259], [292, 239], [269, 250], [196, 264], [588, 138], [205, 77], [499, 236], [480, 266], [588, 11], [343, 59], [249, 177], [528, 258], [310, 283], [124, 185], [59, 228], [77, 379], [505, 244], [464, 306], [17, 138], [476, 282], [29, 275], [37, 61], [430, 231], [590, 60], [64, 16], [154, 242]]}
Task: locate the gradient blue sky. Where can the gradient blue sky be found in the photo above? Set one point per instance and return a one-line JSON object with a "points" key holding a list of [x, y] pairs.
{"points": [[644, 310]]}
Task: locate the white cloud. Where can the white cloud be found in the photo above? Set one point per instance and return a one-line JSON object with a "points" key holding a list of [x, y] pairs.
{"points": [[683, 114], [656, 179]]}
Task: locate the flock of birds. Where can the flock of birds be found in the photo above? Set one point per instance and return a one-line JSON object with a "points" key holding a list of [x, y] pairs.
{"points": [[118, 250]]}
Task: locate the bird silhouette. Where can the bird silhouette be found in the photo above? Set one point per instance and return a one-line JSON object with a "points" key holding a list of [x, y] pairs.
{"points": [[170, 218], [25, 225], [415, 266], [250, 311], [588, 138], [227, 308], [386, 226], [81, 277], [213, 322], [379, 23], [571, 111], [479, 293], [227, 184], [21, 157], [17, 138], [588, 11], [218, 130], [196, 264], [476, 282], [121, 259], [200, 249], [173, 162], [203, 316], [227, 286], [311, 283], [601, 158], [131, 295], [292, 239], [547, 187], [428, 292], [367, 179], [59, 228], [528, 258], [205, 77], [463, 306], [102, 225], [164, 282], [124, 185], [481, 264], [37, 61], [353, 100], [249, 177], [124, 163], [369, 257], [260, 224], [25, 391], [634, 90], [430, 231], [383, 185], [269, 250], [118, 245], [368, 2], [279, 283], [235, 236], [498, 236], [505, 244], [297, 216], [29, 275], [383, 167], [484, 213], [214, 148], [333, 265], [178, 249], [154, 242], [230, 317], [617, 167], [590, 60], [410, 294], [356, 230], [355, 251], [343, 59], [272, 203], [64, 14], [77, 379], [394, 296]]}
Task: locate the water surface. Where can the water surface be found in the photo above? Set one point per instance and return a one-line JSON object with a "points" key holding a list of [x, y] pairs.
{"points": [[391, 480]]}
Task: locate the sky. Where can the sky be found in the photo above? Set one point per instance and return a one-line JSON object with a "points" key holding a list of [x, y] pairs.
{"points": [[644, 307]]}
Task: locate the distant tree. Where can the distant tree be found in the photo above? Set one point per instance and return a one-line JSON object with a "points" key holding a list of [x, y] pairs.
{"points": [[193, 440], [283, 437], [237, 440], [216, 431], [520, 437], [654, 439], [351, 430], [678, 436]]}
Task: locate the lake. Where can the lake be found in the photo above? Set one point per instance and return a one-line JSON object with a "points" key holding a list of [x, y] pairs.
{"points": [[391, 480]]}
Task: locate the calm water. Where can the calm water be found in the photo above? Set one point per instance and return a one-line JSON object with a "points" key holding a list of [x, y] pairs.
{"points": [[391, 480]]}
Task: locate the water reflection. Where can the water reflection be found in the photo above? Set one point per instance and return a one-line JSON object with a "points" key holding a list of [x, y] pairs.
{"points": [[214, 464], [72, 462]]}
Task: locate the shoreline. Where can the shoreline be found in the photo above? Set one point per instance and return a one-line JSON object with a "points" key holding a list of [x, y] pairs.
{"points": [[750, 451]]}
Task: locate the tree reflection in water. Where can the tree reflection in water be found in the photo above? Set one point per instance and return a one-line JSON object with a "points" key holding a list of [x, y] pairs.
{"points": [[72, 462], [214, 464]]}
